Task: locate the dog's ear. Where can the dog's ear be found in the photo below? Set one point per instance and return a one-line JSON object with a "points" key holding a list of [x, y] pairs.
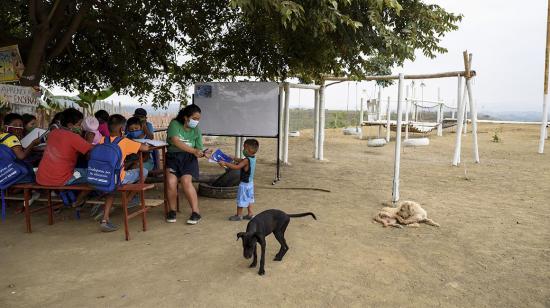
{"points": [[260, 237], [240, 235]]}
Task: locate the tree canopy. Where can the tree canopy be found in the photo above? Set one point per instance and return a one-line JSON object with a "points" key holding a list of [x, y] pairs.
{"points": [[159, 47]]}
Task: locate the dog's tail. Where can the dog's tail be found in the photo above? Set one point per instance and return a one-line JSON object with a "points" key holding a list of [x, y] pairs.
{"points": [[303, 214], [431, 222]]}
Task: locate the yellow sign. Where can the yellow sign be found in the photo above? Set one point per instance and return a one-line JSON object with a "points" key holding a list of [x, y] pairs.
{"points": [[11, 66]]}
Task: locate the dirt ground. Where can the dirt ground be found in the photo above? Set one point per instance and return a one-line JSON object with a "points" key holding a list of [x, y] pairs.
{"points": [[492, 249]]}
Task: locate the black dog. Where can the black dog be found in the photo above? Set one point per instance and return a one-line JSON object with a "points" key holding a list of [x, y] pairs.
{"points": [[261, 226]]}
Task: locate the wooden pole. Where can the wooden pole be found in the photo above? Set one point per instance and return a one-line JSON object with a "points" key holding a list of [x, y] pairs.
{"points": [[316, 124], [320, 155], [379, 110], [439, 114], [388, 121], [287, 123], [395, 77], [473, 112], [459, 122], [407, 105], [544, 122], [397, 161], [281, 120], [361, 118]]}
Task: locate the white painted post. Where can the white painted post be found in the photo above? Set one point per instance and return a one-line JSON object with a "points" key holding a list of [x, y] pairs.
{"points": [[473, 115], [388, 121], [544, 121], [439, 120], [320, 155], [466, 105], [407, 106], [379, 111], [361, 120], [439, 114], [120, 107], [397, 162], [316, 124], [287, 123], [281, 120], [459, 123]]}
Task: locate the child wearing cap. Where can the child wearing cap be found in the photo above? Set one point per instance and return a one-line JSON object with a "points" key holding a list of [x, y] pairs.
{"points": [[90, 130]]}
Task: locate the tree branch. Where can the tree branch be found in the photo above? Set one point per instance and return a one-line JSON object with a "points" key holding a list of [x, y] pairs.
{"points": [[32, 12], [73, 27]]}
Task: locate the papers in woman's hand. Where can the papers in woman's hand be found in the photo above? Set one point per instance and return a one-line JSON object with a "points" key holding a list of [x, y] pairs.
{"points": [[155, 143]]}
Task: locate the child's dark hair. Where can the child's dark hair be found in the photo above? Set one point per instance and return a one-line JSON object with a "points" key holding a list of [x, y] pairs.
{"points": [[27, 118], [115, 122], [188, 111], [57, 118], [10, 117], [71, 116], [133, 121], [253, 144], [102, 116]]}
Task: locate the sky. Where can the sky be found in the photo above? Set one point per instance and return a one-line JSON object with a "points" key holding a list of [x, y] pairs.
{"points": [[507, 40]]}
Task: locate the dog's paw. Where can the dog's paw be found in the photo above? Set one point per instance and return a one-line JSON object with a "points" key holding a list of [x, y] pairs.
{"points": [[278, 258], [261, 272], [252, 265]]}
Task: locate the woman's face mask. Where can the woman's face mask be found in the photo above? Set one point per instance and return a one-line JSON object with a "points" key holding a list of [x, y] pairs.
{"points": [[193, 123]]}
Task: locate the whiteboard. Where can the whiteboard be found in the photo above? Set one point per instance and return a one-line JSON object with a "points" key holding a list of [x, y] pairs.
{"points": [[238, 108]]}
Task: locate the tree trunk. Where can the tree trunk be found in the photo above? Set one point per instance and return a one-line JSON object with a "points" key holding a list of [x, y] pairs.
{"points": [[35, 59]]}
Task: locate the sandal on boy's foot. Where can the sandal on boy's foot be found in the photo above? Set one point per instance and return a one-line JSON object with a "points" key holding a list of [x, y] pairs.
{"points": [[235, 218], [194, 218], [248, 217], [136, 200], [108, 226]]}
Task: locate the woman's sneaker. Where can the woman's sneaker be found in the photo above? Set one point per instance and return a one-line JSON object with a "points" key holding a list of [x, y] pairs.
{"points": [[194, 218], [171, 216]]}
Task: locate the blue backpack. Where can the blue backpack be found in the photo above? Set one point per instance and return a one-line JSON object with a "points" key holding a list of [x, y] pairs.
{"points": [[105, 165], [11, 170]]}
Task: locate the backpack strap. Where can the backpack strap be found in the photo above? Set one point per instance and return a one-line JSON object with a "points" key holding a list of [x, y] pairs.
{"points": [[5, 137], [117, 140]]}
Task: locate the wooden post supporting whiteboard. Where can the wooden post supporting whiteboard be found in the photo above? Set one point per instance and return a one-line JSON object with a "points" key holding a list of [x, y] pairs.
{"points": [[388, 121], [320, 155], [316, 124], [397, 161], [544, 122], [281, 120], [287, 123]]}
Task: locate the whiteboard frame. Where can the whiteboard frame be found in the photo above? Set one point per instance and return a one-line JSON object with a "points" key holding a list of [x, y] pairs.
{"points": [[278, 136], [245, 135]]}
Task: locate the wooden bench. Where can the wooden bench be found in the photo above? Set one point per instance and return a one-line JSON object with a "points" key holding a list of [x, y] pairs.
{"points": [[124, 190]]}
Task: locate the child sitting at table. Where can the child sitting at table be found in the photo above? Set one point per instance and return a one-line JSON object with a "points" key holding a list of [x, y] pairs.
{"points": [[135, 130], [90, 130], [245, 194], [127, 146], [12, 135]]}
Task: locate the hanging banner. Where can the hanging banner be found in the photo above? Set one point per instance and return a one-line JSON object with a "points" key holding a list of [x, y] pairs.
{"points": [[11, 65], [20, 99]]}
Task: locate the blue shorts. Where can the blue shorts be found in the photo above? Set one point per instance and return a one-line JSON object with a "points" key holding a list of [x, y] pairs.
{"points": [[132, 176], [245, 194]]}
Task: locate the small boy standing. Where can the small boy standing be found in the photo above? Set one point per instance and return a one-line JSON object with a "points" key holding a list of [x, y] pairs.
{"points": [[247, 166]]}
